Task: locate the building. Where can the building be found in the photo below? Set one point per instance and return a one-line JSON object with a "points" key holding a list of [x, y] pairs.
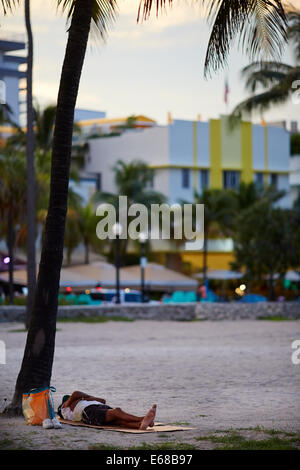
{"points": [[94, 124], [188, 156], [295, 177], [10, 77]]}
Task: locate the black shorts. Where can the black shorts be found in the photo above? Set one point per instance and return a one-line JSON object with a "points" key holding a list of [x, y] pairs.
{"points": [[95, 414]]}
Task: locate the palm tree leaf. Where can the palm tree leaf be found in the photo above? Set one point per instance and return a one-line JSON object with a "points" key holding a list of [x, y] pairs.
{"points": [[103, 14], [259, 24], [276, 95], [293, 31], [8, 5], [264, 74]]}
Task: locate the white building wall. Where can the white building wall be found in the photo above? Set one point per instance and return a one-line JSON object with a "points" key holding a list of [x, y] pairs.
{"points": [[148, 145], [284, 184], [177, 192], [278, 149], [203, 144], [181, 142], [258, 147], [294, 177]]}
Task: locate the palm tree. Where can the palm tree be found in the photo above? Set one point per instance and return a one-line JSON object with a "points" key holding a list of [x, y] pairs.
{"points": [[12, 202], [37, 362], [87, 223], [266, 25], [133, 180], [219, 211], [31, 190], [274, 77], [44, 122], [248, 194]]}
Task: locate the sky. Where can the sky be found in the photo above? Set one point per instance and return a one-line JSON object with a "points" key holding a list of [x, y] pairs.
{"points": [[150, 68]]}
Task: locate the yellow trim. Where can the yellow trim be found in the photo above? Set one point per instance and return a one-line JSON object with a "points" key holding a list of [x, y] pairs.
{"points": [[89, 122], [266, 155], [215, 260], [246, 150], [8, 130], [195, 173], [215, 154]]}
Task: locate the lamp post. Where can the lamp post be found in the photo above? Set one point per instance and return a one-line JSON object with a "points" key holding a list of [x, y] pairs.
{"points": [[117, 229], [143, 237]]}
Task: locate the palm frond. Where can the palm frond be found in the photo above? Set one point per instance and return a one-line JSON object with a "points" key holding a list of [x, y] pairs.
{"points": [[261, 102], [264, 74], [103, 15], [8, 5], [259, 24], [293, 31]]}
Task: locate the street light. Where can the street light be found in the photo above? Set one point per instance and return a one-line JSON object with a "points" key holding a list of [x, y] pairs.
{"points": [[143, 237], [117, 230]]}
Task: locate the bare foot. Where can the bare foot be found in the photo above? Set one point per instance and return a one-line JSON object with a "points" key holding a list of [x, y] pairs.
{"points": [[149, 418]]}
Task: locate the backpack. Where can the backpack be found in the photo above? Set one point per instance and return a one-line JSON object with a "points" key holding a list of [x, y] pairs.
{"points": [[38, 405]]}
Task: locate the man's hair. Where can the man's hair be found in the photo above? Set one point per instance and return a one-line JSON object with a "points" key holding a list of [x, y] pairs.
{"points": [[65, 398]]}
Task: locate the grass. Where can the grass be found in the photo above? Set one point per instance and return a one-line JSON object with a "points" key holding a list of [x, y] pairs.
{"points": [[93, 319], [232, 440], [276, 318], [145, 446], [179, 423]]}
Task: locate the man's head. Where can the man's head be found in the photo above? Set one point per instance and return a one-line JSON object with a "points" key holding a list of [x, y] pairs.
{"points": [[64, 399]]}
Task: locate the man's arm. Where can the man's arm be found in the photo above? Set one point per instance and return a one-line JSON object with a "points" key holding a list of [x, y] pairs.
{"points": [[77, 395]]}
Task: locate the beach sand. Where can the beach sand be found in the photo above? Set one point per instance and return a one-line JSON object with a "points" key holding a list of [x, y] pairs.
{"points": [[210, 375]]}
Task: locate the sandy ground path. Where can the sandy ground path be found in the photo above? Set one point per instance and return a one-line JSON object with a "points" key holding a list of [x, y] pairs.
{"points": [[212, 375]]}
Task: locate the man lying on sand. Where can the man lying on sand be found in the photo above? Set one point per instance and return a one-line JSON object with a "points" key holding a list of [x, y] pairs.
{"points": [[92, 410]]}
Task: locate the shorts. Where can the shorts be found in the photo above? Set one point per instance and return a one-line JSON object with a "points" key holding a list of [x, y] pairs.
{"points": [[95, 414]]}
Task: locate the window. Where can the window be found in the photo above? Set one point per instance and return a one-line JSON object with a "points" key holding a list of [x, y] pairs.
{"points": [[204, 179], [231, 179], [150, 183], [99, 182], [274, 180], [259, 179], [185, 175]]}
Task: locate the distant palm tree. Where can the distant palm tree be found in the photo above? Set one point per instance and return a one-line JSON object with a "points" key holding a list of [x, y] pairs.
{"points": [[133, 180], [87, 223], [219, 212], [12, 203], [248, 194], [275, 78], [31, 184]]}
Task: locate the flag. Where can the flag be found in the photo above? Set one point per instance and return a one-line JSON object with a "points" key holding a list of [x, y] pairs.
{"points": [[226, 92]]}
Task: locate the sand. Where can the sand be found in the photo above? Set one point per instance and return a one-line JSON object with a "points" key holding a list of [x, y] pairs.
{"points": [[210, 375]]}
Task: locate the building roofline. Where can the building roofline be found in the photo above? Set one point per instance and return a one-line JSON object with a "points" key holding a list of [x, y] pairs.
{"points": [[89, 122]]}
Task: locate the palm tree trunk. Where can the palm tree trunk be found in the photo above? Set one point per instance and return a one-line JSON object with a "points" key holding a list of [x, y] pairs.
{"points": [[86, 252], [271, 287], [31, 222], [38, 357], [10, 246]]}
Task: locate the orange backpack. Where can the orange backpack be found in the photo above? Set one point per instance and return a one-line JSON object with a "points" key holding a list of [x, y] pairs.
{"points": [[38, 405]]}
